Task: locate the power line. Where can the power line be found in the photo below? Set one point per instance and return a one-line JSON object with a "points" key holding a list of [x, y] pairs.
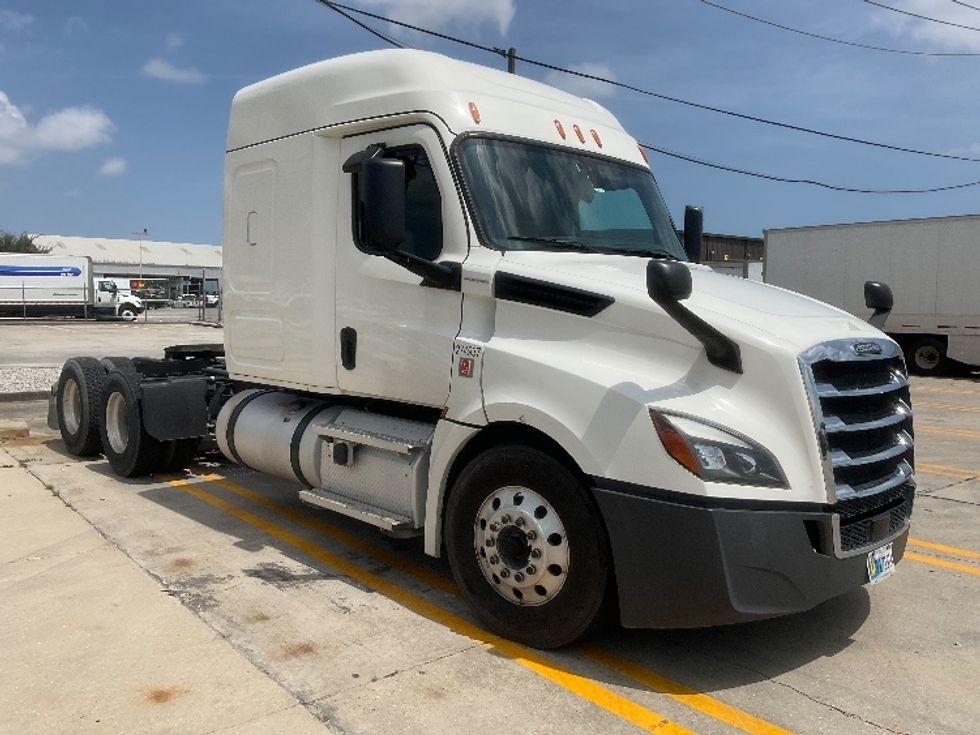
{"points": [[810, 182], [923, 17], [365, 26], [834, 40], [656, 149], [966, 5], [658, 95]]}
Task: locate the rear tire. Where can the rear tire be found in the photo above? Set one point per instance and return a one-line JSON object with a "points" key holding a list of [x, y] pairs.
{"points": [[130, 450], [179, 454], [926, 356], [79, 397], [527, 547], [122, 364]]}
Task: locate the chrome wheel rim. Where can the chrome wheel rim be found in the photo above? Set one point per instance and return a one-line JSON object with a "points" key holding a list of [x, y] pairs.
{"points": [[71, 406], [116, 423], [521, 546]]}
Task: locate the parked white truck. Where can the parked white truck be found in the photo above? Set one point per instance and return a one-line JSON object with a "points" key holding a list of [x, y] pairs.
{"points": [[55, 285], [933, 265], [456, 307]]}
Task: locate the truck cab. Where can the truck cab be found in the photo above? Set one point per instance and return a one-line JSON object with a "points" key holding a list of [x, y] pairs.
{"points": [[455, 306], [110, 301]]}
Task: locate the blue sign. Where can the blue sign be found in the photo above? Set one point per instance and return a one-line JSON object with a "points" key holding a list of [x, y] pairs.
{"points": [[24, 271]]}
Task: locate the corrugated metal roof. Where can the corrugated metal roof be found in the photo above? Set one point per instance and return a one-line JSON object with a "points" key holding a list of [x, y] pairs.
{"points": [[126, 252]]}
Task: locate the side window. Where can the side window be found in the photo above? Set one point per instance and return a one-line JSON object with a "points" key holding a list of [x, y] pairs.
{"points": [[423, 204], [105, 286]]}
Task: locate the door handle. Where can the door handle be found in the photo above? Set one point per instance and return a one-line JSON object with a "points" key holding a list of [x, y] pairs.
{"points": [[348, 347]]}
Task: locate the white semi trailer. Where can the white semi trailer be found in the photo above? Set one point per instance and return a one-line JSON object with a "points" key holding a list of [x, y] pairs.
{"points": [[932, 264], [456, 307], [55, 285]]}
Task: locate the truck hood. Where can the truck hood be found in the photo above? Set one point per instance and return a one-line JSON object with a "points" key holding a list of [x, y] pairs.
{"points": [[741, 308]]}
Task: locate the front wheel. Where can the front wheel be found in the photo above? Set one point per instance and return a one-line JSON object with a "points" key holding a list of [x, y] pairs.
{"points": [[128, 313], [526, 546]]}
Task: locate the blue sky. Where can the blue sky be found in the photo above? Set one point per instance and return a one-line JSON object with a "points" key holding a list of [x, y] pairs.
{"points": [[113, 114]]}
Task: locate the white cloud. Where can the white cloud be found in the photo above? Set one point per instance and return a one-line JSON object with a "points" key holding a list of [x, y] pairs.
{"points": [[448, 12], [580, 86], [75, 25], [11, 20], [113, 167], [936, 36], [70, 129], [163, 69], [173, 41], [73, 129]]}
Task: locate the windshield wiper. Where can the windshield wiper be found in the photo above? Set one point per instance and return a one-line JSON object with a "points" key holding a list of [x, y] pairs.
{"points": [[644, 252], [557, 243]]}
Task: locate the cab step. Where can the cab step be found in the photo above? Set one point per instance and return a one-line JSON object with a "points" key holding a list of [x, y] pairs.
{"points": [[390, 524]]}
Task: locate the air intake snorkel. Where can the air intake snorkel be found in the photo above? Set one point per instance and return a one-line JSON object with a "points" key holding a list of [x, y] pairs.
{"points": [[669, 283]]}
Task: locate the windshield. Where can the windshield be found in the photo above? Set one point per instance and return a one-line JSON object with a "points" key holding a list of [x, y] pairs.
{"points": [[534, 197]]}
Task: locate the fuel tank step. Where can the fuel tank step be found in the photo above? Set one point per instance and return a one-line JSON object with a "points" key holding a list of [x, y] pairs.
{"points": [[393, 525]]}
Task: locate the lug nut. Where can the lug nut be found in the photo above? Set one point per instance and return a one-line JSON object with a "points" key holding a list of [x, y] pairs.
{"points": [[494, 559], [505, 519], [531, 569], [491, 543], [518, 577], [531, 535], [494, 527], [505, 573], [519, 522], [535, 553]]}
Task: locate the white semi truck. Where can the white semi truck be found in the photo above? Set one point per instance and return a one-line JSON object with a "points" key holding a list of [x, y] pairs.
{"points": [[933, 264], [54, 285], [456, 307]]}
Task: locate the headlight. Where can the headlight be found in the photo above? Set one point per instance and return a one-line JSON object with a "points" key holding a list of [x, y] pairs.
{"points": [[716, 454]]}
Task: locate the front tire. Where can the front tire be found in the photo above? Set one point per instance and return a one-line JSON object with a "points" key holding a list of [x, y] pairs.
{"points": [[79, 397], [128, 313], [130, 450], [527, 547]]}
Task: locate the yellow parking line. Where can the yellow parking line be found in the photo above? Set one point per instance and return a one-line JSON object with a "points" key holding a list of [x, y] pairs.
{"points": [[937, 562], [943, 548], [942, 430], [691, 697], [940, 389], [647, 677], [577, 684], [947, 406], [946, 471]]}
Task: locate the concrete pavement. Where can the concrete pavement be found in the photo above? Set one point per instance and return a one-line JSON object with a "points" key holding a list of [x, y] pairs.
{"points": [[94, 644]]}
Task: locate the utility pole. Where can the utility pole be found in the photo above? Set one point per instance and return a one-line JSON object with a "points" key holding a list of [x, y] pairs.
{"points": [[512, 60], [140, 236]]}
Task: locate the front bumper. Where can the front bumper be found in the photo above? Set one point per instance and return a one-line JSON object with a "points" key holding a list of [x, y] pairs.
{"points": [[682, 562]]}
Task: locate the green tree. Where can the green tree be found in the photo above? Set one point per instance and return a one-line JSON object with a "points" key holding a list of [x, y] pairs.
{"points": [[22, 243]]}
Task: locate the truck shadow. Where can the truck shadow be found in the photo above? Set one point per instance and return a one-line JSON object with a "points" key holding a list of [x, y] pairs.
{"points": [[725, 657], [704, 659]]}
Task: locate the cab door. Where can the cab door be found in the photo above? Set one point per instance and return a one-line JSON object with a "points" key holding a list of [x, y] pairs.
{"points": [[394, 335]]}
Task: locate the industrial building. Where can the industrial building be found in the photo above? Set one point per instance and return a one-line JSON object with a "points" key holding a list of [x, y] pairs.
{"points": [[160, 271]]}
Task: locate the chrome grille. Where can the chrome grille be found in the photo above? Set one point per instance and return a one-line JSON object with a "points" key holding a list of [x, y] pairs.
{"points": [[860, 399]]}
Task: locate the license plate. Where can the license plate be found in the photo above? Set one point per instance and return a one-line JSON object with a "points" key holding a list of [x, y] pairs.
{"points": [[880, 564]]}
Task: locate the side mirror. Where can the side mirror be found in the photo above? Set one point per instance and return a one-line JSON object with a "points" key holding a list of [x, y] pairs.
{"points": [[693, 230], [878, 296], [668, 280], [381, 184]]}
